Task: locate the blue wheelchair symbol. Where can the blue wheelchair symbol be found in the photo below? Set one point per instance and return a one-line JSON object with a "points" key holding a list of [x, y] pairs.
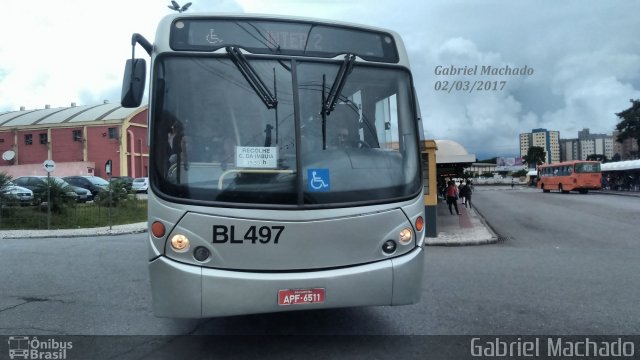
{"points": [[318, 180]]}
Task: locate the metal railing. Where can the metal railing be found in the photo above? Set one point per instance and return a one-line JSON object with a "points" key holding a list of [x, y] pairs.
{"points": [[15, 215]]}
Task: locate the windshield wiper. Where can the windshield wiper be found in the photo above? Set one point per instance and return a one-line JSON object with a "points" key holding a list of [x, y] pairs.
{"points": [[329, 104], [252, 77]]}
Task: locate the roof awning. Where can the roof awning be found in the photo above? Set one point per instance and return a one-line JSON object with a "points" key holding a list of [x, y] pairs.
{"points": [[621, 165]]}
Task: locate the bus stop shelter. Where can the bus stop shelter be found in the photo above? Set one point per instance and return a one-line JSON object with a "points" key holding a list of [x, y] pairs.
{"points": [[622, 175], [451, 159], [441, 159]]}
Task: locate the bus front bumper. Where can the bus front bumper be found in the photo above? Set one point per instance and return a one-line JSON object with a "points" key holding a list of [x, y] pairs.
{"points": [[188, 291]]}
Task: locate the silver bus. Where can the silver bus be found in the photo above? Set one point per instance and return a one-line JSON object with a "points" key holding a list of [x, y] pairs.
{"points": [[285, 168]]}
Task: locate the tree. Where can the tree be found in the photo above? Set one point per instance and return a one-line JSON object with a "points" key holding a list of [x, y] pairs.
{"points": [[60, 194], [114, 195], [519, 173], [468, 175], [493, 160], [535, 155], [4, 181], [597, 157], [629, 126]]}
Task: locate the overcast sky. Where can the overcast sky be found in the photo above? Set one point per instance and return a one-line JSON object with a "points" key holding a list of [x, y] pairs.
{"points": [[583, 57]]}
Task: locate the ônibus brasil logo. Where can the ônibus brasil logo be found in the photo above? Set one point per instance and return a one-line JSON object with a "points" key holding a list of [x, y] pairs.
{"points": [[25, 347]]}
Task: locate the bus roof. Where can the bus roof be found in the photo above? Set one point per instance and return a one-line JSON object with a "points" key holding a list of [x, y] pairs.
{"points": [[564, 163]]}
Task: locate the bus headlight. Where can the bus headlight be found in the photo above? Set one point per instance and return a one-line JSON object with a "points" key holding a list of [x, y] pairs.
{"points": [[179, 243], [405, 236]]}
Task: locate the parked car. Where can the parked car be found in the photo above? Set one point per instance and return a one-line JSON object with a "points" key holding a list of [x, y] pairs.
{"points": [[94, 184], [34, 183], [140, 184], [20, 194]]}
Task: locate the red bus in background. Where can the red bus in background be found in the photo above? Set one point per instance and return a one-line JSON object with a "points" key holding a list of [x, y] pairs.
{"points": [[578, 175]]}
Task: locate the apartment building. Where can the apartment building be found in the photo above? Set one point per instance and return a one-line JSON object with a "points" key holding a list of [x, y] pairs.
{"points": [[587, 144], [549, 140]]}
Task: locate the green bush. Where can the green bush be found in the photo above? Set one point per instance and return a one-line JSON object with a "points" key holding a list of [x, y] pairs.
{"points": [[86, 215], [4, 181], [114, 195], [121, 208], [519, 173], [60, 195]]}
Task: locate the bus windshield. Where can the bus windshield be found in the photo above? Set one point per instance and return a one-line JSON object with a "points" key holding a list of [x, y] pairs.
{"points": [[587, 167], [214, 140]]}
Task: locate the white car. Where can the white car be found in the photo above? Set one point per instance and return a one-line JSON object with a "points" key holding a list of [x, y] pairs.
{"points": [[18, 193], [140, 184]]}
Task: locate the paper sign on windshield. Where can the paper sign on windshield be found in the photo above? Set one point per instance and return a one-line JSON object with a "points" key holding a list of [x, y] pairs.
{"points": [[256, 157]]}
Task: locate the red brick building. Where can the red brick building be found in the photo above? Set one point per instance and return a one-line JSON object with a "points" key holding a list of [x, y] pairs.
{"points": [[79, 139]]}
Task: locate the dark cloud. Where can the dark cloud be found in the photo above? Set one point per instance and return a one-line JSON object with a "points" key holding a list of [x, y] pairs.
{"points": [[585, 57]]}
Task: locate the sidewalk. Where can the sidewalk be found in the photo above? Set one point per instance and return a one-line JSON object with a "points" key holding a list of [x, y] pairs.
{"points": [[468, 228], [100, 231]]}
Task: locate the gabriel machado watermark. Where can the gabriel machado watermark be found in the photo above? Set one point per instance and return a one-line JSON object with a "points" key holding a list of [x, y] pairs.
{"points": [[27, 347], [496, 77], [553, 348]]}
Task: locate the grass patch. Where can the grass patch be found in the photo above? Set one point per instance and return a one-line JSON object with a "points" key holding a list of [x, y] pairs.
{"points": [[76, 216]]}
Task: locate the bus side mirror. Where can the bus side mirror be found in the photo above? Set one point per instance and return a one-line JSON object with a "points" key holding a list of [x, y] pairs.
{"points": [[135, 73]]}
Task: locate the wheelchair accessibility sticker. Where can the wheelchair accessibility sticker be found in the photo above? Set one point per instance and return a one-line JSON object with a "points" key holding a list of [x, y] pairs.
{"points": [[318, 180]]}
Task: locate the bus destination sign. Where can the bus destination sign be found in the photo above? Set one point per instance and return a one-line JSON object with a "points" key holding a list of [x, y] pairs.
{"points": [[282, 37]]}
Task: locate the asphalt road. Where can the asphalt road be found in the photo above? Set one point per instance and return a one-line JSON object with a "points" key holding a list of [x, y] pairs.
{"points": [[566, 264]]}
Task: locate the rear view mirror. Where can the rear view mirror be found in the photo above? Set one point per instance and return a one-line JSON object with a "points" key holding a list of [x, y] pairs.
{"points": [[135, 73]]}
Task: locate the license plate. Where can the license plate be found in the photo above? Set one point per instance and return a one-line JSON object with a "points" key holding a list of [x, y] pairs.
{"points": [[300, 296]]}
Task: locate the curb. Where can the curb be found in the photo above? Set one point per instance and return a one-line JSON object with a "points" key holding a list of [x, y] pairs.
{"points": [[55, 236], [494, 238], [494, 235], [619, 193], [75, 233]]}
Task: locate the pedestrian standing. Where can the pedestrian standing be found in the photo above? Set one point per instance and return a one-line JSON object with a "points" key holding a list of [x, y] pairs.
{"points": [[465, 193], [452, 197]]}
